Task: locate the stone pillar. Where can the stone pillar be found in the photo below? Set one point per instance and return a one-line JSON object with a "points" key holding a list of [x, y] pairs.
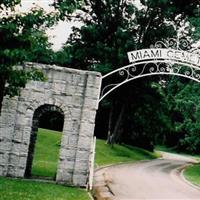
{"points": [[78, 132], [86, 132], [76, 94], [7, 126]]}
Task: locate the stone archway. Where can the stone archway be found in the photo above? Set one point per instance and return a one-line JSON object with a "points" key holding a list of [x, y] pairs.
{"points": [[74, 92], [38, 113]]}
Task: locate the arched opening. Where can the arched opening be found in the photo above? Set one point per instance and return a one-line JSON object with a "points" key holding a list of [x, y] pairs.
{"points": [[155, 95], [45, 142], [173, 120], [119, 80], [123, 75]]}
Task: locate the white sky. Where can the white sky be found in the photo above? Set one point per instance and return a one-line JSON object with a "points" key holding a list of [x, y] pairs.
{"points": [[27, 4]]}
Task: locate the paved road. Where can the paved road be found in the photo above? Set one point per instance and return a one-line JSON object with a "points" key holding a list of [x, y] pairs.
{"points": [[156, 179]]}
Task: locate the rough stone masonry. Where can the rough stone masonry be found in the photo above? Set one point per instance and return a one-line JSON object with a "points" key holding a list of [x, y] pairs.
{"points": [[75, 93]]}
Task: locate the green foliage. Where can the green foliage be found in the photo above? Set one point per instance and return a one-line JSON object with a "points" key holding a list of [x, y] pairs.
{"points": [[187, 103], [183, 104], [8, 3], [111, 29], [30, 190], [150, 102], [66, 7], [99, 44], [23, 38], [46, 153], [18, 78], [195, 22]]}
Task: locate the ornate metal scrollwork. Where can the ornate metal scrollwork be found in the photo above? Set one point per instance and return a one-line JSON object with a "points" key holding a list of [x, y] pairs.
{"points": [[180, 44], [150, 67]]}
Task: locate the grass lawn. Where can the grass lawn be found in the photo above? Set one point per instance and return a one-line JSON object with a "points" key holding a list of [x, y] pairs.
{"points": [[192, 174], [45, 164], [46, 153], [15, 189], [105, 155]]}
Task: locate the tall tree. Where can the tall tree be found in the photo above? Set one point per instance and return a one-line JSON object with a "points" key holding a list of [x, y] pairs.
{"points": [[182, 97], [113, 27], [23, 38]]}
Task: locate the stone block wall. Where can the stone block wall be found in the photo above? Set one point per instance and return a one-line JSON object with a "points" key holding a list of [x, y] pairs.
{"points": [[74, 92]]}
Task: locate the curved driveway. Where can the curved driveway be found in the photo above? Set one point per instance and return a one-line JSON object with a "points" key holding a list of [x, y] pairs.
{"points": [[156, 179]]}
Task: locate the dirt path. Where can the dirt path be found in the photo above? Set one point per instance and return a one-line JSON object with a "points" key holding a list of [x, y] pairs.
{"points": [[156, 179]]}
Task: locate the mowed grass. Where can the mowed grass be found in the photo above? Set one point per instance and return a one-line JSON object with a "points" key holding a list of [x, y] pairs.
{"points": [[106, 155], [46, 153], [16, 189], [45, 164], [192, 174]]}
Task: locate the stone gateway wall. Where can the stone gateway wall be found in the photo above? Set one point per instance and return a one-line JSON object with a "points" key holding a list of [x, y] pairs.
{"points": [[75, 94]]}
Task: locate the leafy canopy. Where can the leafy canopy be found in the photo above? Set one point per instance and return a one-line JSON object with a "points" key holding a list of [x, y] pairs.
{"points": [[110, 29], [23, 38]]}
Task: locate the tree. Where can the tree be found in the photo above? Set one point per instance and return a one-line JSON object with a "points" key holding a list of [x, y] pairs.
{"points": [[184, 107], [112, 28], [23, 38]]}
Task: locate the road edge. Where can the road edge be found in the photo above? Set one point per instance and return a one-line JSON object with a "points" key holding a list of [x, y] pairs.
{"points": [[101, 188]]}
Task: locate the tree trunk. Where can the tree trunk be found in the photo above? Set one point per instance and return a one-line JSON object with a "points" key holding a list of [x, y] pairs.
{"points": [[108, 141], [2, 88], [116, 133]]}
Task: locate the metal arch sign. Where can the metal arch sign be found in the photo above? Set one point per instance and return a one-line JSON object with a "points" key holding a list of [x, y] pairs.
{"points": [[164, 54], [175, 57]]}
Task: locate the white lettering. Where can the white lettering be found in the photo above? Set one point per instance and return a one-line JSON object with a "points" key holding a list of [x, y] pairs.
{"points": [[146, 54], [169, 54], [177, 55], [136, 56], [164, 54], [156, 54]]}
